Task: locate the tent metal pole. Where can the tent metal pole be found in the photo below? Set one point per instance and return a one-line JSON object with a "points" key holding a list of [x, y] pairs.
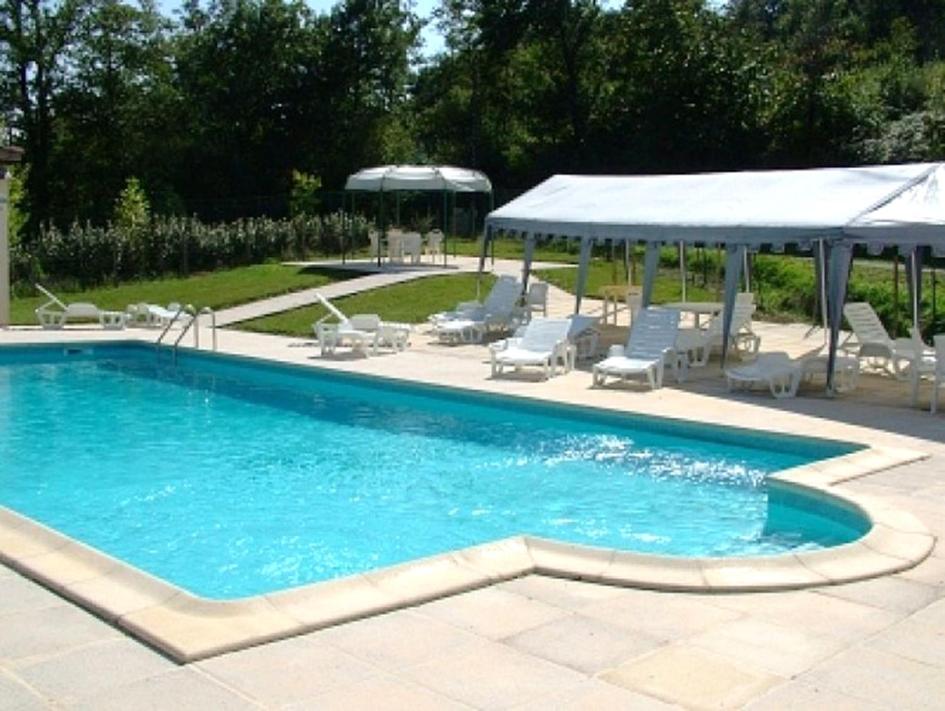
{"points": [[348, 223], [587, 246], [682, 269], [895, 311], [527, 259], [734, 260], [626, 263], [841, 258], [746, 270], [483, 250], [383, 227], [915, 281]]}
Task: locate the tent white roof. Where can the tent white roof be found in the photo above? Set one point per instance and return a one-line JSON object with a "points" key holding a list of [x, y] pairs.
{"points": [[419, 177], [895, 204]]}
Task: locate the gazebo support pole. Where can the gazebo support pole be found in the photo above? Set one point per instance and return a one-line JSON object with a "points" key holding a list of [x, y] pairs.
{"points": [[446, 226], [383, 229], [4, 249]]}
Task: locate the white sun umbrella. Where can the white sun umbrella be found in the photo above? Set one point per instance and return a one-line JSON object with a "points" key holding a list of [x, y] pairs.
{"points": [[429, 178]]}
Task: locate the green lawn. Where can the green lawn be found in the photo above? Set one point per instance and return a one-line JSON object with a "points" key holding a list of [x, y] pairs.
{"points": [[227, 287], [409, 302]]}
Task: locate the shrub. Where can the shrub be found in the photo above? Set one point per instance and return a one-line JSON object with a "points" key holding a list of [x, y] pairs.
{"points": [[89, 255]]}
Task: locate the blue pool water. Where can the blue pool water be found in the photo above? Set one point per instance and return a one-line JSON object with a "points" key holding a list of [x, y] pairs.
{"points": [[230, 478]]}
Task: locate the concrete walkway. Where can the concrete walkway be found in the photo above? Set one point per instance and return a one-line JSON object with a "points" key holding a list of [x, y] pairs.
{"points": [[373, 278]]}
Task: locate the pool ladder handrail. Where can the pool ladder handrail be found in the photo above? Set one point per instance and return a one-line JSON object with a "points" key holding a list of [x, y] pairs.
{"points": [[195, 322]]}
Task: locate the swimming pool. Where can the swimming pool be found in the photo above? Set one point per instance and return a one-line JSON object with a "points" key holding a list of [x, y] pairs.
{"points": [[232, 478]]}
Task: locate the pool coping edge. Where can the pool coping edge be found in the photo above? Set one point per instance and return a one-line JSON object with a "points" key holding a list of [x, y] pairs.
{"points": [[188, 628]]}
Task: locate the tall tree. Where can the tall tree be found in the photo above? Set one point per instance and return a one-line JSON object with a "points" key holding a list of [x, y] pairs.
{"points": [[34, 35]]}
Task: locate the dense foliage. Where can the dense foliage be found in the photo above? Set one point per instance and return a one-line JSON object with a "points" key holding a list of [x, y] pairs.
{"points": [[214, 110], [88, 255]]}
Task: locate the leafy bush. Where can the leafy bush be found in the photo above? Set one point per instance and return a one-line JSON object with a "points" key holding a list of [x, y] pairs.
{"points": [[89, 255]]}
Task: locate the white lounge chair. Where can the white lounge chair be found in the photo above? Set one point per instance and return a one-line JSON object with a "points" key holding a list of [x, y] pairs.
{"points": [[358, 331], [652, 341], [155, 316], [778, 371], [472, 320], [543, 343], [54, 313], [698, 343], [929, 363], [870, 341]]}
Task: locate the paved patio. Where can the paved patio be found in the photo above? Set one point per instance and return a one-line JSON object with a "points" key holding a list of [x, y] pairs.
{"points": [[538, 642]]}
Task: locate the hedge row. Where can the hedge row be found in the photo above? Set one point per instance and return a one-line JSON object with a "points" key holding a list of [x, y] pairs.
{"points": [[90, 255]]}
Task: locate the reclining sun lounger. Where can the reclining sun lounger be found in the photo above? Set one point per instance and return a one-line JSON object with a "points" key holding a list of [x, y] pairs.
{"points": [[870, 341], [54, 314], [155, 316], [358, 331], [652, 341], [777, 370], [782, 374], [472, 320], [543, 343]]}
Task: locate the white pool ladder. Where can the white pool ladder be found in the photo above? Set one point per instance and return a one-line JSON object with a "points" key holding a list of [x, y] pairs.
{"points": [[195, 323]]}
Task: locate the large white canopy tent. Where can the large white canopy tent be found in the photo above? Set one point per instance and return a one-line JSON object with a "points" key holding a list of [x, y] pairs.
{"points": [[438, 178], [832, 209]]}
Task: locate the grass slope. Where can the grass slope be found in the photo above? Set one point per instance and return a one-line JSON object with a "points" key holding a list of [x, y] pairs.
{"points": [[220, 289], [409, 302]]}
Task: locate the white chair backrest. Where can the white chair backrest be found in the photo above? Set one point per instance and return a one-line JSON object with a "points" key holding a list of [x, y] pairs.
{"points": [[332, 309], [543, 334], [634, 303], [537, 294], [412, 243], [653, 332], [741, 316], [745, 297], [434, 239], [504, 295], [51, 296], [865, 323], [580, 323]]}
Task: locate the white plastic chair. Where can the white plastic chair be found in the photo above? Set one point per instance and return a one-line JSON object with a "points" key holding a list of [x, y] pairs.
{"points": [[536, 300], [543, 343], [698, 343], [412, 247], [871, 341], [434, 244], [652, 341]]}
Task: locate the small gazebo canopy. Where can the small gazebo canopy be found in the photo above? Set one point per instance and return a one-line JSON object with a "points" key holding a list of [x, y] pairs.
{"points": [[425, 178], [833, 208], [387, 178]]}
